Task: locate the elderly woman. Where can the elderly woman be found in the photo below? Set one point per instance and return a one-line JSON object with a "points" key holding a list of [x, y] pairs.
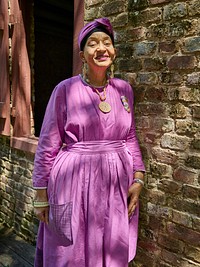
{"points": [[88, 170]]}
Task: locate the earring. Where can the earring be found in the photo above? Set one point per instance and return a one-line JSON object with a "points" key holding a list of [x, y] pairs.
{"points": [[112, 71], [84, 70]]}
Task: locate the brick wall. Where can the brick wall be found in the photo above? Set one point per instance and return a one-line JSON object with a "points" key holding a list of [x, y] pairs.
{"points": [[159, 54], [16, 191]]}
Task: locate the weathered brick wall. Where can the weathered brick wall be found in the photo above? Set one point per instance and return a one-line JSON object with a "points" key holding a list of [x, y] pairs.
{"points": [[159, 53], [16, 193]]}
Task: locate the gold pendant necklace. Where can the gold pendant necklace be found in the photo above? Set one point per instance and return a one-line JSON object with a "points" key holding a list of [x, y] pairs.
{"points": [[104, 106]]}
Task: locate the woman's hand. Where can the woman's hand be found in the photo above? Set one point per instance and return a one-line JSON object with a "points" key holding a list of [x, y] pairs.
{"points": [[42, 213], [133, 197]]}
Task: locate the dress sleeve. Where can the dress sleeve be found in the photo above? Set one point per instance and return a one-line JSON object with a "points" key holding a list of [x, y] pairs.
{"points": [[132, 140], [51, 138]]}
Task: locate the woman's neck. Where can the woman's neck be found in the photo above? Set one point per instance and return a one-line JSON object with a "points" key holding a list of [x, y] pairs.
{"points": [[97, 78]]}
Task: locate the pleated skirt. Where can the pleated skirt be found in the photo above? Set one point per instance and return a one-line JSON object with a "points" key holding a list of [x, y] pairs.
{"points": [[88, 217]]}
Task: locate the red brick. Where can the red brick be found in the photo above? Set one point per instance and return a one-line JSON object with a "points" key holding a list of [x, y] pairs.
{"points": [[196, 223], [163, 125], [143, 124], [167, 47], [178, 10], [182, 62], [155, 2], [170, 257], [186, 205], [194, 7], [162, 264], [185, 234], [171, 78], [93, 2], [153, 63], [193, 161], [120, 20], [155, 94], [159, 211], [182, 218], [156, 224], [144, 48], [179, 111], [136, 33], [187, 127], [139, 92], [113, 7], [151, 109], [160, 169], [196, 112], [188, 94], [192, 192], [130, 65], [193, 78], [175, 142], [192, 45], [188, 263], [169, 186], [172, 29], [151, 15], [149, 246], [168, 242], [147, 78], [131, 78], [143, 217], [151, 138], [156, 197], [193, 253], [144, 259], [164, 156], [185, 175]]}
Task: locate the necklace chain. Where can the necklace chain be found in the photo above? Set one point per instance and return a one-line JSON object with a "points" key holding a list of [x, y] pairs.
{"points": [[102, 98], [103, 105]]}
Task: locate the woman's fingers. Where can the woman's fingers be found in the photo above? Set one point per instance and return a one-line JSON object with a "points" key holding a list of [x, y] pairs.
{"points": [[133, 196], [132, 205], [47, 215], [42, 214]]}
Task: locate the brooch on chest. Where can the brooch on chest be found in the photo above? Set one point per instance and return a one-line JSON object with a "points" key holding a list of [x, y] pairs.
{"points": [[125, 103]]}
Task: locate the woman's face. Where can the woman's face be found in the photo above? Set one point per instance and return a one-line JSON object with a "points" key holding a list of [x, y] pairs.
{"points": [[98, 51]]}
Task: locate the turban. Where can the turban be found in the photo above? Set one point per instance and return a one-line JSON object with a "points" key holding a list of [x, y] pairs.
{"points": [[102, 24]]}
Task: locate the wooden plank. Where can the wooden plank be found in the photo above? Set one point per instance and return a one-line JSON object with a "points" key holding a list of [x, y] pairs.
{"points": [[10, 258], [14, 251], [21, 75], [4, 72], [78, 24]]}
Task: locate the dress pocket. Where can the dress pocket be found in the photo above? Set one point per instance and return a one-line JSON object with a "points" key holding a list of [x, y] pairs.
{"points": [[60, 222]]}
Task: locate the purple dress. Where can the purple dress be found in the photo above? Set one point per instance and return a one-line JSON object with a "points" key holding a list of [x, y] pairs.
{"points": [[86, 160]]}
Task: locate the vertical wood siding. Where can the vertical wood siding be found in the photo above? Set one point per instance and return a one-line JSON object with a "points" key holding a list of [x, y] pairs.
{"points": [[21, 77], [4, 70]]}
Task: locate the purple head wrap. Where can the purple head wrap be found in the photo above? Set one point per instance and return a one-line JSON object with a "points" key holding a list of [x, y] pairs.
{"points": [[102, 23]]}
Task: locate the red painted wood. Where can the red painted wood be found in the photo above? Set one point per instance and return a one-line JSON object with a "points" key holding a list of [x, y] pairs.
{"points": [[78, 24], [21, 77], [4, 70]]}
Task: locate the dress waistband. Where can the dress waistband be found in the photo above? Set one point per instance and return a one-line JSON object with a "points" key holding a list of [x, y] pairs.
{"points": [[93, 147]]}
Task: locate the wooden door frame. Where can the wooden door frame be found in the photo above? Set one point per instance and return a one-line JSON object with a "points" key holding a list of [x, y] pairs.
{"points": [[30, 143]]}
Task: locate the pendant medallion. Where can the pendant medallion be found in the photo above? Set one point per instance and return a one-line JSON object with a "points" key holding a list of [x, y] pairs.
{"points": [[104, 107]]}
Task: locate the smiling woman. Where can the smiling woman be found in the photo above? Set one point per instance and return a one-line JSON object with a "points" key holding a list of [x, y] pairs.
{"points": [[98, 53], [88, 164]]}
